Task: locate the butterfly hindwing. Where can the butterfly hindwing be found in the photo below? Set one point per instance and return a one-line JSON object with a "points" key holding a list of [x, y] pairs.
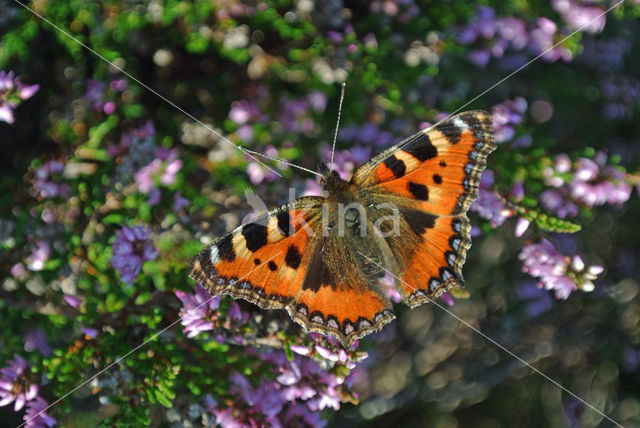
{"points": [[336, 296]]}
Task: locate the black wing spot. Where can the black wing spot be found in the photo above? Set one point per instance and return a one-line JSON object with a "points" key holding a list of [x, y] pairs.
{"points": [[443, 163], [272, 266], [256, 262], [293, 257], [255, 236], [397, 167], [419, 191], [422, 148], [437, 178], [284, 223], [419, 221], [225, 249], [450, 131]]}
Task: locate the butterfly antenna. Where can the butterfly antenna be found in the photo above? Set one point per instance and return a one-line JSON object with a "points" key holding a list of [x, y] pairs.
{"points": [[335, 135], [281, 161]]}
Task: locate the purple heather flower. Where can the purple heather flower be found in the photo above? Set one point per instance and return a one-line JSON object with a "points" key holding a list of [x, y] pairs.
{"points": [[27, 91], [389, 288], [543, 41], [592, 182], [6, 81], [590, 19], [48, 180], [479, 57], [301, 350], [257, 172], [179, 202], [521, 226], [346, 161], [118, 85], [294, 116], [35, 340], [245, 133], [131, 248], [506, 116], [326, 353], [312, 188], [14, 385], [197, 311], [73, 301], [161, 171], [12, 92], [595, 183], [557, 272], [135, 139], [95, 93], [18, 270], [542, 260], [90, 333], [489, 204], [244, 111], [300, 415], [35, 416], [6, 111], [236, 314], [370, 41], [40, 253], [447, 298], [318, 101], [335, 36], [621, 93]]}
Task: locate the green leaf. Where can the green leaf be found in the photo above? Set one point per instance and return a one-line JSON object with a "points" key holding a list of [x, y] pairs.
{"points": [[162, 399]]}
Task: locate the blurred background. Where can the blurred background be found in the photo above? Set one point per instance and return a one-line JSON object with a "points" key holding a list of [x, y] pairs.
{"points": [[108, 191]]}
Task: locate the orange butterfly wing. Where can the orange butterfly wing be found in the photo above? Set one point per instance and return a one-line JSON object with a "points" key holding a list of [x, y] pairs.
{"points": [[271, 263], [439, 170], [263, 262]]}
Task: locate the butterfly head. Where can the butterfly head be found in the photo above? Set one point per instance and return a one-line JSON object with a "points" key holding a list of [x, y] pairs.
{"points": [[331, 180]]}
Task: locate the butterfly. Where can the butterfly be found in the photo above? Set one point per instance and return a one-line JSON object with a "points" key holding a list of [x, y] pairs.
{"points": [[322, 258]]}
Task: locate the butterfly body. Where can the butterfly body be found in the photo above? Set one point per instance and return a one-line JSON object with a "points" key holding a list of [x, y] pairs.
{"points": [[322, 258]]}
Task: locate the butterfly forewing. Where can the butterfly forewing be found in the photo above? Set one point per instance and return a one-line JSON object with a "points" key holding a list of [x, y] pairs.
{"points": [[436, 172]]}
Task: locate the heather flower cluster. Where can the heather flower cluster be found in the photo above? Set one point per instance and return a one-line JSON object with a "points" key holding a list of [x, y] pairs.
{"points": [[17, 388], [301, 387], [581, 15], [97, 94], [557, 272], [40, 253], [506, 118], [49, 182], [588, 181], [513, 40], [161, 171], [490, 205], [12, 93], [131, 248], [199, 311]]}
